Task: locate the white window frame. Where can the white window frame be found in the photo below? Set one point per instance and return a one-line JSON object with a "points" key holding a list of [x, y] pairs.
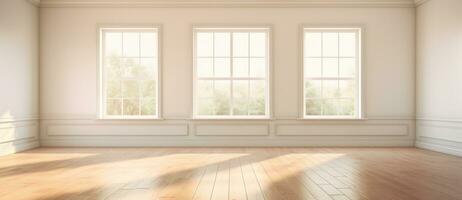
{"points": [[231, 29], [359, 96], [101, 114]]}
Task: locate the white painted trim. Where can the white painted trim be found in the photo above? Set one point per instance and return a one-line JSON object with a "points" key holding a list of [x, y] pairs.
{"points": [[227, 3], [441, 119], [34, 2], [15, 147], [231, 129], [108, 130], [20, 118], [241, 142], [420, 2], [395, 129], [360, 96], [100, 93], [267, 28], [439, 148]]}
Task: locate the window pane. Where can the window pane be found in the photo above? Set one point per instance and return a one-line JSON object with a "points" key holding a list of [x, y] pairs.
{"points": [[131, 107], [222, 67], [313, 67], [330, 88], [257, 44], [149, 68], [205, 106], [113, 89], [240, 44], [313, 89], [205, 67], [113, 44], [148, 89], [240, 67], [113, 107], [113, 69], [148, 106], [130, 72], [312, 46], [347, 44], [330, 44], [330, 107], [257, 103], [205, 89], [313, 107], [148, 44], [222, 44], [129, 66], [257, 67], [241, 97], [130, 89], [347, 67], [204, 44], [347, 88], [329, 67], [131, 42], [222, 97], [346, 107]]}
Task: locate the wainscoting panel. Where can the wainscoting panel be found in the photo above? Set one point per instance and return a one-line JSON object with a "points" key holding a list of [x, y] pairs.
{"points": [[18, 135], [117, 130], [231, 129], [72, 131], [440, 135], [343, 130]]}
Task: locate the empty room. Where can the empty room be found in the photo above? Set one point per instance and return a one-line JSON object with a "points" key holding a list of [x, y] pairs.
{"points": [[230, 99]]}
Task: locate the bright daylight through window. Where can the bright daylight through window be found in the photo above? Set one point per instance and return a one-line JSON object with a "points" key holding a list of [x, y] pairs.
{"points": [[129, 82], [332, 72], [231, 72]]}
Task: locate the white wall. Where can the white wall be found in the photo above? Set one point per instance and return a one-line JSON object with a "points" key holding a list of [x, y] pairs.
{"points": [[69, 82], [19, 110], [439, 75]]}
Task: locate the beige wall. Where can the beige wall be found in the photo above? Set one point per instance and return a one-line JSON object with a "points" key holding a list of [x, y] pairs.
{"points": [[439, 75], [19, 71], [69, 80]]}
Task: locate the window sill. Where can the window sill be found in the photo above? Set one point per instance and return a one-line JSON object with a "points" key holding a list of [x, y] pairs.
{"points": [[333, 119]]}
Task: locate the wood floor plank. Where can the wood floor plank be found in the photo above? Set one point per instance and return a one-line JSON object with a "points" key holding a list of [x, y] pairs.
{"points": [[230, 173]]}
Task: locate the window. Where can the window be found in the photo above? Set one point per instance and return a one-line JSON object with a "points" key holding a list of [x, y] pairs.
{"points": [[129, 82], [332, 72], [231, 72]]}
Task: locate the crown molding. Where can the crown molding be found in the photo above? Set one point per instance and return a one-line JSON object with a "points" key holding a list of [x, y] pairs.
{"points": [[420, 2], [34, 2], [227, 3]]}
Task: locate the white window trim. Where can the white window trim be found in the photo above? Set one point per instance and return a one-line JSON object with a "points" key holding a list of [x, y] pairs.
{"points": [[268, 78], [100, 90], [360, 111]]}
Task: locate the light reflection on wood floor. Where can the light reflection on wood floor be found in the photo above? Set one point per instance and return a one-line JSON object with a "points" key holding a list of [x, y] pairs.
{"points": [[230, 173]]}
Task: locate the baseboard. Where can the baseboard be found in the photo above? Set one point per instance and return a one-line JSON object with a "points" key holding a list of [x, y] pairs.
{"points": [[17, 146], [440, 148]]}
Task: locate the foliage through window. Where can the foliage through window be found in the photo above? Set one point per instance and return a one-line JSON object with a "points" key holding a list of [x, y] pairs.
{"points": [[129, 72], [331, 71], [231, 72]]}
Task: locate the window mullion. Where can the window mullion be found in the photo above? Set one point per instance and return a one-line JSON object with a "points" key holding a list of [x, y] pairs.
{"points": [[248, 72], [231, 91]]}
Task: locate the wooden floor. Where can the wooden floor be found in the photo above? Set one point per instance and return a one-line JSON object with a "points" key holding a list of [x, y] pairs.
{"points": [[230, 173]]}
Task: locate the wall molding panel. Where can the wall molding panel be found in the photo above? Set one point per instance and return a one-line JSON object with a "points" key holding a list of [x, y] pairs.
{"points": [[16, 136], [343, 130], [82, 129], [440, 135], [103, 133], [231, 129]]}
